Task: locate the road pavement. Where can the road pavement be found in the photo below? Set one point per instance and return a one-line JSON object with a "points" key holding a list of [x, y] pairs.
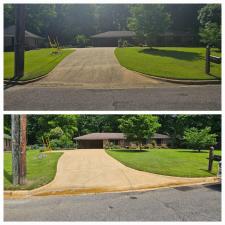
{"points": [[61, 98], [200, 203]]}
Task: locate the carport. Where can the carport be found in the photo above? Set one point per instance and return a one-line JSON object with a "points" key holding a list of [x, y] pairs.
{"points": [[90, 144]]}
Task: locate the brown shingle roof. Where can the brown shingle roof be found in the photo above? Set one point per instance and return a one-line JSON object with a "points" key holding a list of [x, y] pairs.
{"points": [[113, 136], [160, 136], [114, 34], [102, 136]]}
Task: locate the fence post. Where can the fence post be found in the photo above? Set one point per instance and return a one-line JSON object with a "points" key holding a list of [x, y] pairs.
{"points": [[211, 156], [207, 60], [19, 41]]}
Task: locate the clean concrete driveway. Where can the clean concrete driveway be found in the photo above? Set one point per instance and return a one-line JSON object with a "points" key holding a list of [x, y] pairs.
{"points": [[95, 68], [93, 171]]}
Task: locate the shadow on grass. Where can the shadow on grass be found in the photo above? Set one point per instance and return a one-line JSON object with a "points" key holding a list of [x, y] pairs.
{"points": [[126, 150], [8, 176], [190, 56], [194, 151]]}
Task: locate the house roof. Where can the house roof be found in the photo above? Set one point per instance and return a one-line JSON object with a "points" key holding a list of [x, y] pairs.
{"points": [[10, 32], [160, 136], [114, 34], [102, 136], [6, 136], [113, 136]]}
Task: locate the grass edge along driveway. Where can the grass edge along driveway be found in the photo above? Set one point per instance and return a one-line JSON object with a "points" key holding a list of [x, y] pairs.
{"points": [[169, 162], [41, 169], [37, 62], [169, 62]]}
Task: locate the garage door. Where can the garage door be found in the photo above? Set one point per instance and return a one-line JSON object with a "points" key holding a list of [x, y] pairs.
{"points": [[90, 144]]}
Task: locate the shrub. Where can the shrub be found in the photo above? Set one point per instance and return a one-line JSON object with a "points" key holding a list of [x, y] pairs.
{"points": [[154, 144], [55, 133], [81, 40]]}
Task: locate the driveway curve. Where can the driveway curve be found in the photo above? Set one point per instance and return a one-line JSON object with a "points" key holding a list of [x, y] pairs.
{"points": [[95, 68], [93, 171]]}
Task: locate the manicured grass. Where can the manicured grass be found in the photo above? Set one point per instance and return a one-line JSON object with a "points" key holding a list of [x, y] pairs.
{"points": [[37, 62], [168, 62], [171, 162], [41, 169]]}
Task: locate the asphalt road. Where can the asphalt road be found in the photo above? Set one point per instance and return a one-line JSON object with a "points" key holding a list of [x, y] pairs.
{"points": [[194, 97], [199, 203]]}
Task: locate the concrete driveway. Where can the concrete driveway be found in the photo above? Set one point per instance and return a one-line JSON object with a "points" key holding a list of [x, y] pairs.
{"points": [[94, 68], [94, 171]]}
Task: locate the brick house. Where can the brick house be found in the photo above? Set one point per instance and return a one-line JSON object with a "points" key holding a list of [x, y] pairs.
{"points": [[101, 140]]}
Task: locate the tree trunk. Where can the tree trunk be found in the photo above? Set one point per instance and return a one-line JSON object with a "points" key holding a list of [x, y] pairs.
{"points": [[23, 142], [15, 148], [19, 41]]}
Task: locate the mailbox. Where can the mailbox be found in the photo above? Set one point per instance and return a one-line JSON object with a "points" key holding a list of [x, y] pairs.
{"points": [[215, 59], [219, 169]]}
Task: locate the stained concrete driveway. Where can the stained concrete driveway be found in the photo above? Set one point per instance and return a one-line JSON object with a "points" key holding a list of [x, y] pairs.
{"points": [[95, 68], [93, 171]]}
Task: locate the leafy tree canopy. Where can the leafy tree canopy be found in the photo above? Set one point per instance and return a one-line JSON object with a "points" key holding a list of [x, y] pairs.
{"points": [[139, 128], [199, 139]]}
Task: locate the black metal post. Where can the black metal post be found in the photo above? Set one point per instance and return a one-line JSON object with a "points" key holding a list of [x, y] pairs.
{"points": [[207, 60], [19, 41]]}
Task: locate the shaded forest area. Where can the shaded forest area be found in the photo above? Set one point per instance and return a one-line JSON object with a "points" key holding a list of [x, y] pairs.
{"points": [[70, 126], [65, 21]]}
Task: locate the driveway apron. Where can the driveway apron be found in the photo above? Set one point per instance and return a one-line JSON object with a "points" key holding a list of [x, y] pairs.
{"points": [[93, 170]]}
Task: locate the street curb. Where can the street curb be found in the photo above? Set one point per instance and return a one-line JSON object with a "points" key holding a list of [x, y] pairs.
{"points": [[21, 82], [188, 82], [85, 191], [176, 81]]}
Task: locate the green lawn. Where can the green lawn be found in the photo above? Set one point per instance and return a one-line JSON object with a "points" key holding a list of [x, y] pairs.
{"points": [[40, 170], [37, 62], [168, 62], [172, 162]]}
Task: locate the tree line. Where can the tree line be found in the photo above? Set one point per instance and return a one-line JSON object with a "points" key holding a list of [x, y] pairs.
{"points": [[67, 21], [61, 129]]}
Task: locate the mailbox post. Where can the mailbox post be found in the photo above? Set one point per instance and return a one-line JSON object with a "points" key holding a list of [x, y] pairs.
{"points": [[211, 157], [207, 60]]}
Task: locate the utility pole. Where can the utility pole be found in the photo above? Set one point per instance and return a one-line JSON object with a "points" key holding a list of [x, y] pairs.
{"points": [[23, 143], [15, 148], [19, 41]]}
